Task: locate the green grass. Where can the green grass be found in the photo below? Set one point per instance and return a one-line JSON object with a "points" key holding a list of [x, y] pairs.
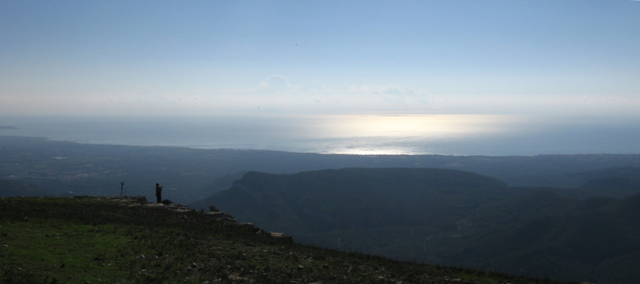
{"points": [[102, 240], [62, 250]]}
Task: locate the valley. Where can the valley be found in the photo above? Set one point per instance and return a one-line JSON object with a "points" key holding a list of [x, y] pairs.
{"points": [[566, 217]]}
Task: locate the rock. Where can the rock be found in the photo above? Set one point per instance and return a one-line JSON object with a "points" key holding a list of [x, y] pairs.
{"points": [[281, 236], [140, 199], [166, 202], [250, 226], [235, 277]]}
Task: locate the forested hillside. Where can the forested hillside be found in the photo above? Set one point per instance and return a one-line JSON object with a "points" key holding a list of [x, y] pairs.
{"points": [[449, 217]]}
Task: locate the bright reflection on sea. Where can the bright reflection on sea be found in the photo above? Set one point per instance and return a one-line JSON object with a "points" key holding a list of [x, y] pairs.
{"points": [[376, 134], [412, 125]]}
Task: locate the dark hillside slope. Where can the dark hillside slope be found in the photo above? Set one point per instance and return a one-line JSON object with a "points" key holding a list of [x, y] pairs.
{"points": [[613, 187], [337, 208], [217, 185], [447, 217], [593, 238], [617, 182], [535, 204]]}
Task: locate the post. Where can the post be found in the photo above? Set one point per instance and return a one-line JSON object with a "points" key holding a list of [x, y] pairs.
{"points": [[121, 188]]}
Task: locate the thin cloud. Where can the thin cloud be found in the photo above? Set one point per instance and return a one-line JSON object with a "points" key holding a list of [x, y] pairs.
{"points": [[392, 93]]}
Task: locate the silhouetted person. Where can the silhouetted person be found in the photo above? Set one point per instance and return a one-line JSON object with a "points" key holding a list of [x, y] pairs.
{"points": [[159, 192]]}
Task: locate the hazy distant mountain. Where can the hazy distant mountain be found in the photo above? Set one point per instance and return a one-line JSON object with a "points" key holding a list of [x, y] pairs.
{"points": [[617, 182], [190, 174]]}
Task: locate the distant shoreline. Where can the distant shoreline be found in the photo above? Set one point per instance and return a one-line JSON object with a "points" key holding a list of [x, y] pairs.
{"points": [[7, 127], [326, 135]]}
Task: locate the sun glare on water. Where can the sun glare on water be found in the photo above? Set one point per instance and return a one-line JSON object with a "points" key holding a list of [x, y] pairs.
{"points": [[415, 125], [375, 134]]}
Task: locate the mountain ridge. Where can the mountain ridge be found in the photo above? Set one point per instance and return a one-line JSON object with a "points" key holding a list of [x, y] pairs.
{"points": [[441, 216]]}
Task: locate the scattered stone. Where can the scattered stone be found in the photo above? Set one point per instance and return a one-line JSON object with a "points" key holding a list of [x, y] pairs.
{"points": [[140, 199], [281, 236], [234, 277]]}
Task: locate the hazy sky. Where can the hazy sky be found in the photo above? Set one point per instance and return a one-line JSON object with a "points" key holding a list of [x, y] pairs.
{"points": [[213, 57]]}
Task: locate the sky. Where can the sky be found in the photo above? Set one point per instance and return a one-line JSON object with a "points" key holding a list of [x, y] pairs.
{"points": [[145, 58]]}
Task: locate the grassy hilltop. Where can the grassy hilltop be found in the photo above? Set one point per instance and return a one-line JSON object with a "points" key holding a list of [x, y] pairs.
{"points": [[120, 240]]}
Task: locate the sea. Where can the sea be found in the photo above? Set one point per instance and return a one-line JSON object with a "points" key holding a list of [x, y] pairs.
{"points": [[360, 134]]}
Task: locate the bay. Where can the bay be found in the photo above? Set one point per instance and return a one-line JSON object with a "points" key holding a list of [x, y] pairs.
{"points": [[365, 134]]}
